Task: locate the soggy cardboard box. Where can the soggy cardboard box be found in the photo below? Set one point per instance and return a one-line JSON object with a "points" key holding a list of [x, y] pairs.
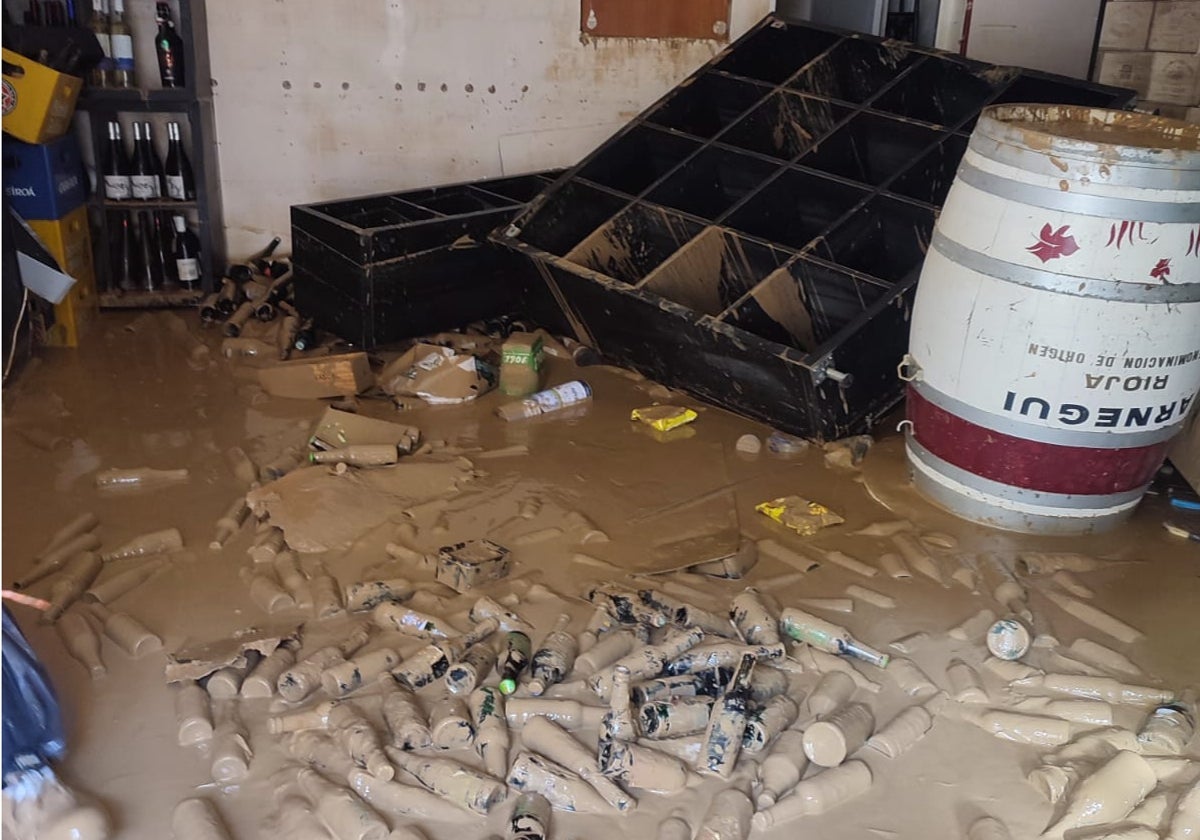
{"points": [[1125, 69], [438, 375], [38, 102], [521, 362], [315, 379], [469, 564], [1173, 78], [1176, 26], [1126, 25], [69, 242], [337, 429], [44, 181]]}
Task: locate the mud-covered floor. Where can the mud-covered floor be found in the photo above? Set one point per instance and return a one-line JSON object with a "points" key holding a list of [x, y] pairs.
{"points": [[140, 394]]}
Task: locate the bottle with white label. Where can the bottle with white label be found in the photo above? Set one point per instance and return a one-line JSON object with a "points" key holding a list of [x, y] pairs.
{"points": [[117, 186], [143, 181], [121, 41], [187, 254], [545, 402], [181, 182]]}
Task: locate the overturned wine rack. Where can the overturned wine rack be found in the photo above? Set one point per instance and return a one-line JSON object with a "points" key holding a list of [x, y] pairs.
{"points": [[754, 237]]}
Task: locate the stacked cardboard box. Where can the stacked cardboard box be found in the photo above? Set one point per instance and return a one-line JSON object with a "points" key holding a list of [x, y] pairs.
{"points": [[1153, 46]]}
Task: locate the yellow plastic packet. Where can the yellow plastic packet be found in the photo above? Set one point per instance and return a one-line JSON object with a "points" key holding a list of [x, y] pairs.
{"points": [[801, 515], [664, 418]]}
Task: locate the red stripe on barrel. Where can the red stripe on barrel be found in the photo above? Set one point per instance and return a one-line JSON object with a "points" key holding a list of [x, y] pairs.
{"points": [[1031, 464]]}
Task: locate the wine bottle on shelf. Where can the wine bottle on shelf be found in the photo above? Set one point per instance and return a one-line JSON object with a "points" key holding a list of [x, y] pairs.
{"points": [[100, 75], [149, 271], [117, 184], [124, 256], [187, 254], [121, 40], [181, 183], [164, 248], [169, 47], [143, 180], [156, 163]]}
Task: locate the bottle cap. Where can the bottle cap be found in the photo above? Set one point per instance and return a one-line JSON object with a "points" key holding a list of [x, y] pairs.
{"points": [[508, 685], [1009, 639]]}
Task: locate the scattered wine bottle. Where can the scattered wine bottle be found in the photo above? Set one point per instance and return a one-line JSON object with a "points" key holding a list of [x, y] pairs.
{"points": [[142, 179], [121, 40], [261, 262], [306, 338], [101, 74], [181, 183], [169, 47], [187, 254], [229, 296], [117, 185]]}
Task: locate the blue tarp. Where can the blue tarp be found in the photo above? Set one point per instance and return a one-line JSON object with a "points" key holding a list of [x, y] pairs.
{"points": [[33, 731]]}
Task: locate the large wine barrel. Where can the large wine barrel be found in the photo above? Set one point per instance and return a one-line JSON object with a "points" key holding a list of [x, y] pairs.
{"points": [[1055, 341]]}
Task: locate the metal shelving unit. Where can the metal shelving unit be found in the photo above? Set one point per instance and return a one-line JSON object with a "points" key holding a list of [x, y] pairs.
{"points": [[194, 103]]}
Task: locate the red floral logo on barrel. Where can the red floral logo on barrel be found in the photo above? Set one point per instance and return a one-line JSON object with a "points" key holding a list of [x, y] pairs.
{"points": [[1052, 244]]}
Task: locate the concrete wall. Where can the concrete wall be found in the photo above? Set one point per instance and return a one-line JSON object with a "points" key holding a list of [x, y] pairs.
{"points": [[317, 100]]}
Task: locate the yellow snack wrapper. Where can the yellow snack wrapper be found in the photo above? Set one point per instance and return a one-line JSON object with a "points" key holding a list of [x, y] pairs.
{"points": [[801, 515], [664, 418]]}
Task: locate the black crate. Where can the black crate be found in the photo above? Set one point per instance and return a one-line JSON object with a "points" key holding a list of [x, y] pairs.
{"points": [[760, 230], [380, 268]]}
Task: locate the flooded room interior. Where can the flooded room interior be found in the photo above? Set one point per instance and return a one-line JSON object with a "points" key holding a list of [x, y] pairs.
{"points": [[689, 420]]}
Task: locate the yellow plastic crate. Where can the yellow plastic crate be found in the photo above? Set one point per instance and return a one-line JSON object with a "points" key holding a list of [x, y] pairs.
{"points": [[38, 102]]}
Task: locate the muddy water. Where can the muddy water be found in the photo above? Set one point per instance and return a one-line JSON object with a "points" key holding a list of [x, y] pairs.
{"points": [[145, 398]]}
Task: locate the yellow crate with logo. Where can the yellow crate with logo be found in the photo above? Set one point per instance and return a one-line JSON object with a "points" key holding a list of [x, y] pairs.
{"points": [[69, 242], [38, 102]]}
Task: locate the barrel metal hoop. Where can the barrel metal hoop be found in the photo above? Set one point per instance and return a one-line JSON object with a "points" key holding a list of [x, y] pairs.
{"points": [[1063, 284], [1120, 174], [1030, 500], [1043, 434], [1079, 203]]}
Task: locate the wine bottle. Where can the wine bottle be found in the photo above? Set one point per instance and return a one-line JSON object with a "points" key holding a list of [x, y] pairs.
{"points": [[123, 268], [306, 338], [141, 171], [156, 164], [117, 185], [121, 40], [187, 254], [169, 47], [261, 262], [149, 275], [101, 73], [181, 183], [164, 248]]}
